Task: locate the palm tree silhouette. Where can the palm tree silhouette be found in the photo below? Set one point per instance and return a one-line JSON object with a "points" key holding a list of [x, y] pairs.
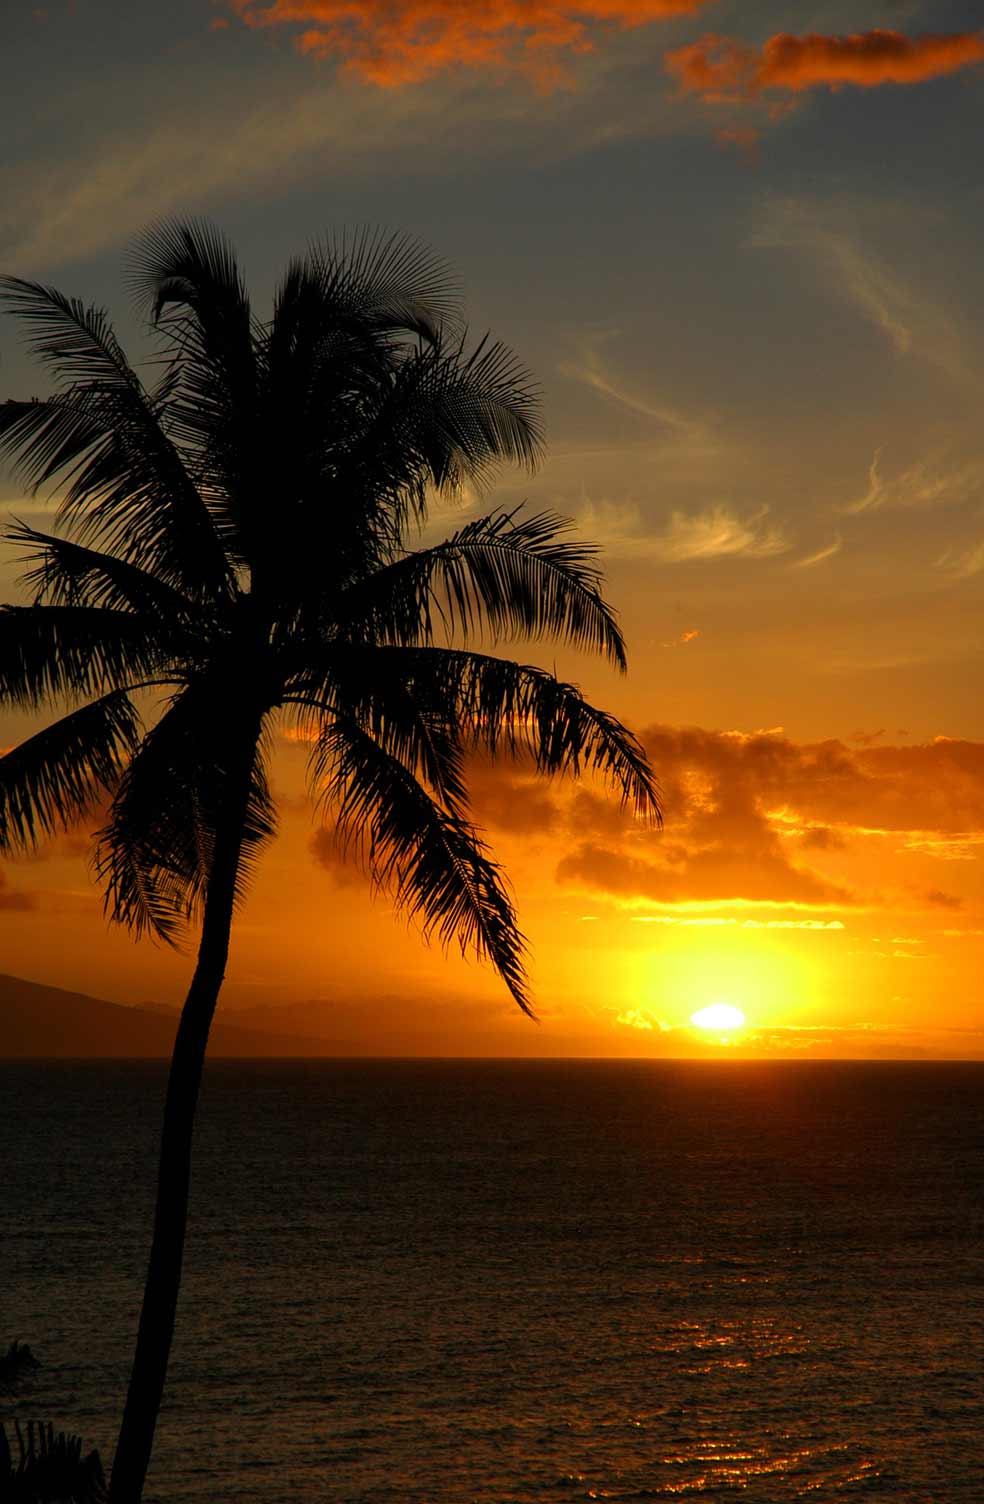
{"points": [[232, 550]]}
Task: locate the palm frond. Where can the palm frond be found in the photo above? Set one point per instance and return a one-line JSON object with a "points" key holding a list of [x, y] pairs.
{"points": [[56, 777], [155, 852], [427, 706], [104, 439], [410, 718], [434, 864], [501, 576], [186, 276], [49, 1468], [387, 282], [66, 573], [75, 651], [191, 263], [518, 708], [50, 439], [483, 408], [75, 340]]}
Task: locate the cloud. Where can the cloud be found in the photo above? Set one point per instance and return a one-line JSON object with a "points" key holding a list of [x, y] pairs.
{"points": [[753, 870], [822, 838], [760, 819], [962, 564], [393, 43], [817, 1040], [638, 1018], [810, 561], [926, 484], [512, 801], [717, 533], [836, 233], [754, 820], [720, 68], [817, 926], [933, 790], [943, 900], [112, 183], [590, 369], [709, 922], [330, 857]]}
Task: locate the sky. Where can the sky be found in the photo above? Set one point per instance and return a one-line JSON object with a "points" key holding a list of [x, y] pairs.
{"points": [[738, 243]]}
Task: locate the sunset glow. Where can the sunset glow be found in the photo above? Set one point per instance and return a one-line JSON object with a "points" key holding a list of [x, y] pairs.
{"points": [[767, 418], [721, 1017], [491, 749]]}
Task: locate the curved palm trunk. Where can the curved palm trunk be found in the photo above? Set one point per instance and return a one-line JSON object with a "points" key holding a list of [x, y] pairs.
{"points": [[157, 1316]]}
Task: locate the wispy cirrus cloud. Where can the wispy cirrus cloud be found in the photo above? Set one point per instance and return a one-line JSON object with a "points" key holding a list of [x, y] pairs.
{"points": [[717, 532], [836, 234], [721, 68], [591, 371], [929, 483], [393, 43], [963, 563], [820, 555]]}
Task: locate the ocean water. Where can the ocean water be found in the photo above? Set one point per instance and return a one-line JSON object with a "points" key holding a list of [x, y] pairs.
{"points": [[505, 1283]]}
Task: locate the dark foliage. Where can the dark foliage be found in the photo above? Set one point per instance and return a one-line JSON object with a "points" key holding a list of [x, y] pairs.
{"points": [[48, 1468]]}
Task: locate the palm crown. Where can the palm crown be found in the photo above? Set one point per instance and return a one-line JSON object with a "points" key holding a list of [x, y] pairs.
{"points": [[232, 547]]}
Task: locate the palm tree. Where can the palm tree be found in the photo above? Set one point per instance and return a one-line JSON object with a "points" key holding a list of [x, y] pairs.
{"points": [[232, 550]]}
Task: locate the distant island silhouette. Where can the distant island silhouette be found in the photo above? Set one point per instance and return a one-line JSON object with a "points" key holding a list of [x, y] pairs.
{"points": [[51, 1023]]}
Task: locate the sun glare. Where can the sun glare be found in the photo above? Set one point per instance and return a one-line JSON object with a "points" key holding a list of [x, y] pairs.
{"points": [[719, 1016]]}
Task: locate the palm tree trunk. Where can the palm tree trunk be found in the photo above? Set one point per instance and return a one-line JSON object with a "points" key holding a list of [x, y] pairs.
{"points": [[157, 1316]]}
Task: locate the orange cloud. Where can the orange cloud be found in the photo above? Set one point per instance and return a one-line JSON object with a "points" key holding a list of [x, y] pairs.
{"points": [[752, 870], [754, 818], [747, 816], [720, 68], [396, 42]]}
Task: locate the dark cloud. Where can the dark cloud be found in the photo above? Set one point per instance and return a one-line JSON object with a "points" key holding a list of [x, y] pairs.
{"points": [[328, 854], [934, 787], [943, 900], [511, 799], [756, 873], [822, 838], [747, 815]]}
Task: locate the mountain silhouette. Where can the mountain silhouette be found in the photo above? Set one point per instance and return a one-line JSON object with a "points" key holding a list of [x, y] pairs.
{"points": [[48, 1022]]}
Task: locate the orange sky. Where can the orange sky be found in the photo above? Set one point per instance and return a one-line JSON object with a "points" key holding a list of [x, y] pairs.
{"points": [[744, 262]]}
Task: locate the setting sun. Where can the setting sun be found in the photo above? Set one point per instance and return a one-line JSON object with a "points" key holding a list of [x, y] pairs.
{"points": [[718, 1016]]}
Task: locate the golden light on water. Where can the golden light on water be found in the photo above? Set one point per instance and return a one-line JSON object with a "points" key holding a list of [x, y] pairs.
{"points": [[722, 1017]]}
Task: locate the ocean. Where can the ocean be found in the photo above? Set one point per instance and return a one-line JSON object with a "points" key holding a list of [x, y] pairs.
{"points": [[496, 1282]]}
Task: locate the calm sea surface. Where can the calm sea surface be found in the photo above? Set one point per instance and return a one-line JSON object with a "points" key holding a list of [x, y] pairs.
{"points": [[453, 1282]]}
